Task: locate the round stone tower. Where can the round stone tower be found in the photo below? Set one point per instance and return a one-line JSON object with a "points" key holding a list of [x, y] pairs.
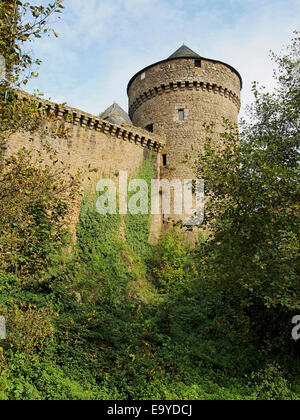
{"points": [[176, 96]]}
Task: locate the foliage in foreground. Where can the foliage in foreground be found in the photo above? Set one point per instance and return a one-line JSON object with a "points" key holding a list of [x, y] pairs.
{"points": [[105, 323], [252, 188], [20, 24]]}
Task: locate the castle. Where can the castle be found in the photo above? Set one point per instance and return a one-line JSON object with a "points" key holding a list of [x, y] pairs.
{"points": [[169, 102]]}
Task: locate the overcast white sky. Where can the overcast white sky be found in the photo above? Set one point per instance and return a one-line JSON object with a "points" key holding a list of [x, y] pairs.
{"points": [[103, 43]]}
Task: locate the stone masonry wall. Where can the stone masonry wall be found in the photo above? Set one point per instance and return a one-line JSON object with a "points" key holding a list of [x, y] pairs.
{"points": [[97, 148], [205, 93]]}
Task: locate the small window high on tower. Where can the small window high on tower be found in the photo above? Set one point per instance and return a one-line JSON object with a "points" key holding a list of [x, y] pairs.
{"points": [[197, 63], [164, 160], [149, 128], [181, 114]]}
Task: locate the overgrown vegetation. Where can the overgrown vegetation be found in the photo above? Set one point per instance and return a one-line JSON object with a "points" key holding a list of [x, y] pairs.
{"points": [[252, 210], [113, 317], [88, 332]]}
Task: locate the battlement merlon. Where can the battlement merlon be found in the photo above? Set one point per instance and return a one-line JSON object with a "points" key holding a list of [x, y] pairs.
{"points": [[88, 121]]}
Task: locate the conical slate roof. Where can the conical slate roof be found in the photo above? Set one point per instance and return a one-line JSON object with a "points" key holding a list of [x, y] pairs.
{"points": [[184, 52], [116, 115]]}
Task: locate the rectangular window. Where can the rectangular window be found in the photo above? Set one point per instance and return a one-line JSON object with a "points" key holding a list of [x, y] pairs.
{"points": [[143, 76], [181, 114], [164, 160], [197, 63], [149, 128]]}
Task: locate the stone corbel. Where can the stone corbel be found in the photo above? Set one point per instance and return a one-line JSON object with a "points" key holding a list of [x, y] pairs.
{"points": [[106, 128], [60, 113], [97, 125], [131, 137], [76, 119], [113, 130], [84, 121]]}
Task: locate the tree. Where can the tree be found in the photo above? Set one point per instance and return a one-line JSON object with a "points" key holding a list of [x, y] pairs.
{"points": [[34, 203], [252, 189], [20, 23], [35, 196]]}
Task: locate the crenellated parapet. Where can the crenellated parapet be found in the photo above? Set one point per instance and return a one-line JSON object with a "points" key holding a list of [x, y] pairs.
{"points": [[179, 85], [76, 117]]}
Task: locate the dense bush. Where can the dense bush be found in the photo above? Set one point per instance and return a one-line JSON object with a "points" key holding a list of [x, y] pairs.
{"points": [[252, 208]]}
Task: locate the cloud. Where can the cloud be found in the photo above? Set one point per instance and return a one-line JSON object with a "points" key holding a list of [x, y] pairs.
{"points": [[103, 44]]}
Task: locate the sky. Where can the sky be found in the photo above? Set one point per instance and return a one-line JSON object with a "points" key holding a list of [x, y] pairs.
{"points": [[103, 43]]}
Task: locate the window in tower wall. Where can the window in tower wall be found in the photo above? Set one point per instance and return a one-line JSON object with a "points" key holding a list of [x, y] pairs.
{"points": [[149, 128], [164, 160], [181, 114], [197, 63]]}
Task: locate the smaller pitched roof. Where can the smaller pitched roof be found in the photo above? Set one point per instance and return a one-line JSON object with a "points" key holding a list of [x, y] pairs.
{"points": [[116, 115], [184, 52]]}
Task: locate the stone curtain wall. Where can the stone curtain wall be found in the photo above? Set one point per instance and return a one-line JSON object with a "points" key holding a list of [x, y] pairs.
{"points": [[97, 148]]}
